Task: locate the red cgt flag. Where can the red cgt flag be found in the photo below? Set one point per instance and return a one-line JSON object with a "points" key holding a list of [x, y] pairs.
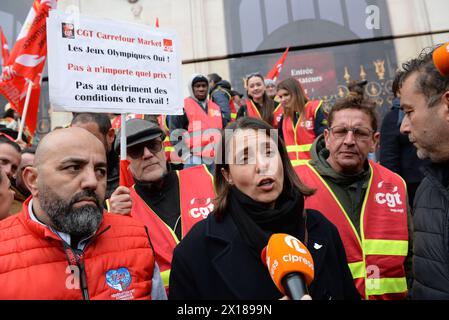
{"points": [[5, 48], [27, 61], [274, 73]]}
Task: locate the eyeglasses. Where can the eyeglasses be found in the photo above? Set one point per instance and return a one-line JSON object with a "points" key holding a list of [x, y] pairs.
{"points": [[360, 133], [154, 146]]}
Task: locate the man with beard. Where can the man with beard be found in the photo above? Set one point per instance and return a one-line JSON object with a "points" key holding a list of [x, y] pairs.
{"points": [[366, 202], [62, 246], [425, 101]]}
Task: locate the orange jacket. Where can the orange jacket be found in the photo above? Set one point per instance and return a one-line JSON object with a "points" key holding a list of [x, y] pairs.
{"points": [[117, 263]]}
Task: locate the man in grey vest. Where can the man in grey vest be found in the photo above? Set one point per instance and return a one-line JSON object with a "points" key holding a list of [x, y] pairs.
{"points": [[425, 101]]}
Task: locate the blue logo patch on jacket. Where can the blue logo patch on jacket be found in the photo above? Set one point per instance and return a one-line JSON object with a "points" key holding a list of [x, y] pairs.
{"points": [[118, 279]]}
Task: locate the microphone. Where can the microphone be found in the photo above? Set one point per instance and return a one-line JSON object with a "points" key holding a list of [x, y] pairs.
{"points": [[290, 265], [440, 59]]}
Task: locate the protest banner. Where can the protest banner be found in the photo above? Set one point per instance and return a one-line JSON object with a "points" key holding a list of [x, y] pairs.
{"points": [[100, 65]]}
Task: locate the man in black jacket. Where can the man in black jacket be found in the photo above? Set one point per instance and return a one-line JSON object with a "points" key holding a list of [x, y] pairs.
{"points": [[425, 101], [220, 93], [397, 153]]}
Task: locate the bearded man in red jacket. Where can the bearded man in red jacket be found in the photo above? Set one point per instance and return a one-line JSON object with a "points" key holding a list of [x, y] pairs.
{"points": [[62, 245]]}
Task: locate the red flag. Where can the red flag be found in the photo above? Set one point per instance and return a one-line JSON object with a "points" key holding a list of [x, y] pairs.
{"points": [[26, 62], [274, 73], [5, 48], [126, 178], [157, 22], [116, 123]]}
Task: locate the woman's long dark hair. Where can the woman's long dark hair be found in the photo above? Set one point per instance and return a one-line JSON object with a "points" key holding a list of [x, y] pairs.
{"points": [[267, 105], [222, 187], [298, 98]]}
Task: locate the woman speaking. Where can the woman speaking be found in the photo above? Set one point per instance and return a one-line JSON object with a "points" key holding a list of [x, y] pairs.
{"points": [[258, 194]]}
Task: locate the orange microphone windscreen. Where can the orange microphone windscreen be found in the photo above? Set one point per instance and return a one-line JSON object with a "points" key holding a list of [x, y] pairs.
{"points": [[285, 254], [441, 59]]}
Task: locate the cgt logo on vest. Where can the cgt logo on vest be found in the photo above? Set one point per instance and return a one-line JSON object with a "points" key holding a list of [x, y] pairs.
{"points": [[278, 118], [390, 197], [215, 113], [201, 207], [308, 124]]}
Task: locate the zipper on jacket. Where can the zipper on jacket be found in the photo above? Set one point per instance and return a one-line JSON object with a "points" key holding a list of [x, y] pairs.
{"points": [[75, 258], [83, 279], [80, 264]]}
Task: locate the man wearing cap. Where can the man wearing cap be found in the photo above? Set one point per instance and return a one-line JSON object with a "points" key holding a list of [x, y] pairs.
{"points": [[168, 202], [425, 101], [199, 126]]}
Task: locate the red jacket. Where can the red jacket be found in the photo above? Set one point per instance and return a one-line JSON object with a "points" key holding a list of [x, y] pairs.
{"points": [[117, 263]]}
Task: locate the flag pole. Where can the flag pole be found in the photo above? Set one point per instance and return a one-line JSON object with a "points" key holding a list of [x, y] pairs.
{"points": [[123, 137], [25, 110], [123, 177]]}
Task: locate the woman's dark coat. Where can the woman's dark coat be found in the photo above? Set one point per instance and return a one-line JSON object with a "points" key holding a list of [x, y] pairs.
{"points": [[214, 263]]}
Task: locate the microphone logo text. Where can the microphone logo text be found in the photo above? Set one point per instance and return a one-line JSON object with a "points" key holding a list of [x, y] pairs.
{"points": [[294, 243]]}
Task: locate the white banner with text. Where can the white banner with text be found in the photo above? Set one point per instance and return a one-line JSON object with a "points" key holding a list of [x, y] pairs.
{"points": [[100, 65]]}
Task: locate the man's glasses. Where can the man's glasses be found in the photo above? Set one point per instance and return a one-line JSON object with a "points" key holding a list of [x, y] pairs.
{"points": [[154, 146], [360, 133]]}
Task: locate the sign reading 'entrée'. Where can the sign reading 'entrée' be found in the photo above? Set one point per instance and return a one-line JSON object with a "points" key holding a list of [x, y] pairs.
{"points": [[98, 65]]}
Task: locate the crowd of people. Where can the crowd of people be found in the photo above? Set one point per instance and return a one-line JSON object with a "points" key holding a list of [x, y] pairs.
{"points": [[211, 186]]}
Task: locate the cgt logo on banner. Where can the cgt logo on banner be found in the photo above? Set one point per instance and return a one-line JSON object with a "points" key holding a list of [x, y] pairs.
{"points": [[391, 198], [68, 30], [201, 207], [168, 45]]}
